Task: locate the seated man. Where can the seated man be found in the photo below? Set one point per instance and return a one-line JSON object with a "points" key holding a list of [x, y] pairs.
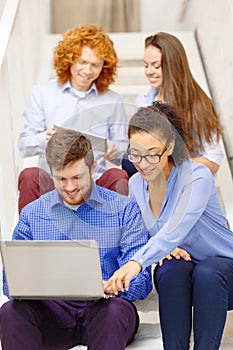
{"points": [[78, 98], [78, 209]]}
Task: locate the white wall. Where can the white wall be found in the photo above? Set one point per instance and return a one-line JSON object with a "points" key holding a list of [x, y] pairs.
{"points": [[161, 15], [213, 20], [23, 25]]}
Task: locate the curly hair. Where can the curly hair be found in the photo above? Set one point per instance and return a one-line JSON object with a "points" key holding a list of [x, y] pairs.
{"points": [[70, 48]]}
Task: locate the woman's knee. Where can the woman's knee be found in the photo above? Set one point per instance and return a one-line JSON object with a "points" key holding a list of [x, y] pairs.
{"points": [[28, 175], [172, 272]]}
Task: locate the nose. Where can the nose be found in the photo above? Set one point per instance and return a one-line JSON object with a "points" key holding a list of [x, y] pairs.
{"points": [[87, 68], [70, 185], [144, 163], [149, 70]]}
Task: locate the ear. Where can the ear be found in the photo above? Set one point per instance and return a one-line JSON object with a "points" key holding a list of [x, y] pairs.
{"points": [[170, 148], [93, 167]]}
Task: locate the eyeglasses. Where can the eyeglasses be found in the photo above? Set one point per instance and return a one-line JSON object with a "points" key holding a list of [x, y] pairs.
{"points": [[150, 158]]}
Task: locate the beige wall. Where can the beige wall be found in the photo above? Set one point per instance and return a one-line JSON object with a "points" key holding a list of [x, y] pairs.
{"points": [[113, 15]]}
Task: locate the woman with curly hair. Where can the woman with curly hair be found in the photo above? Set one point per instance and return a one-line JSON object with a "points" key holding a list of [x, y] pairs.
{"points": [[79, 97]]}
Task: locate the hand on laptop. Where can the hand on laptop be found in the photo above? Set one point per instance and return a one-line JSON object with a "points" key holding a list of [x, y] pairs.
{"points": [[108, 293]]}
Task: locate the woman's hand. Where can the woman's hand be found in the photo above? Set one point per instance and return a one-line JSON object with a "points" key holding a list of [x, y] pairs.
{"points": [[177, 253], [120, 280]]}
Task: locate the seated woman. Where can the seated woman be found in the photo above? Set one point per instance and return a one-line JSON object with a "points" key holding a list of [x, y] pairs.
{"points": [[167, 70], [180, 207]]}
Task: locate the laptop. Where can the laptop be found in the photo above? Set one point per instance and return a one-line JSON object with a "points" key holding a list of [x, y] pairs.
{"points": [[52, 269]]}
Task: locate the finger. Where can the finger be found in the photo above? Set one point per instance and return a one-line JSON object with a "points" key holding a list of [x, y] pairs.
{"points": [[185, 255], [127, 282], [169, 257], [161, 262]]}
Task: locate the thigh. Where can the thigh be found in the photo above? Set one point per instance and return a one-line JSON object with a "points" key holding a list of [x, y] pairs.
{"points": [[173, 274], [114, 179], [32, 183], [112, 321], [173, 281], [215, 272], [55, 324]]}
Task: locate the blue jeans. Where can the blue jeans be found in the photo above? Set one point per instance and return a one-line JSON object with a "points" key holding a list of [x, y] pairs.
{"points": [[204, 288]]}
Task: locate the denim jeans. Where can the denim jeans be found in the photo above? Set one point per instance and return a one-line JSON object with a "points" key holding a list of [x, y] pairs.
{"points": [[197, 294]]}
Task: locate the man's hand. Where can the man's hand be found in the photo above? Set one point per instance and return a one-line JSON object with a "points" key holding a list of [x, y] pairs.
{"points": [[120, 280], [111, 151], [177, 253], [50, 132]]}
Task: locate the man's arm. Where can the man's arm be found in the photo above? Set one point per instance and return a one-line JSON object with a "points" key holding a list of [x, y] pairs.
{"points": [[21, 231], [211, 157], [134, 237], [118, 130], [32, 140]]}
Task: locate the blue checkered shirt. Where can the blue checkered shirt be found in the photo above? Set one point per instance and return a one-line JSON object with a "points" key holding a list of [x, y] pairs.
{"points": [[113, 220]]}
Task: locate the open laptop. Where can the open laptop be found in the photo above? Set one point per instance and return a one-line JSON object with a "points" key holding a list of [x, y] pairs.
{"points": [[52, 269]]}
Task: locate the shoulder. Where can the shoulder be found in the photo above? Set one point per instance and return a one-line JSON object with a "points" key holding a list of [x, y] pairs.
{"points": [[192, 171], [147, 98], [115, 201], [41, 205], [140, 100], [50, 85], [137, 181], [109, 196], [111, 95]]}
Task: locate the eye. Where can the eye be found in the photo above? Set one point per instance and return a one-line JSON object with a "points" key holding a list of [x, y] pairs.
{"points": [[97, 65], [80, 61], [58, 178], [78, 177]]}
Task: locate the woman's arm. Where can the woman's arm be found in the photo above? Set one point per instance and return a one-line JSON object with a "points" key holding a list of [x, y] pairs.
{"points": [[193, 198]]}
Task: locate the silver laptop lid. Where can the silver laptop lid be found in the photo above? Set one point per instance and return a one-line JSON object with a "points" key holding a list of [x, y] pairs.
{"points": [[52, 269]]}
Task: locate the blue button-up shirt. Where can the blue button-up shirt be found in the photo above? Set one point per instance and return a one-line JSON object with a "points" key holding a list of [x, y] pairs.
{"points": [[191, 216], [113, 220]]}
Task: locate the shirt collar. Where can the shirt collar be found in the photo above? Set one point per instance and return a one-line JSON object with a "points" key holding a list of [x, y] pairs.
{"points": [[150, 96], [93, 198], [67, 87]]}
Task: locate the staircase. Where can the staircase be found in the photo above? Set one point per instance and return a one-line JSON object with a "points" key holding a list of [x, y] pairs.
{"points": [[16, 79], [130, 82]]}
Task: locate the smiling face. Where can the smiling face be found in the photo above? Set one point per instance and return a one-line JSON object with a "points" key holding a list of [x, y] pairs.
{"points": [[86, 69], [152, 66], [74, 181], [144, 143]]}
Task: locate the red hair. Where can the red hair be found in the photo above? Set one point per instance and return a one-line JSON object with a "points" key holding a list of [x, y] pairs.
{"points": [[70, 47]]}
